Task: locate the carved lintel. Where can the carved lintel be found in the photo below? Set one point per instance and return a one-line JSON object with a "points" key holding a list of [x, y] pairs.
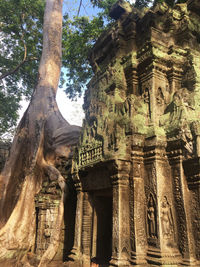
{"points": [[192, 172]]}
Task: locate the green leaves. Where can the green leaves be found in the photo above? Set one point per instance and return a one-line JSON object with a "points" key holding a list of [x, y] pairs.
{"points": [[9, 104], [20, 46], [79, 35], [143, 3]]}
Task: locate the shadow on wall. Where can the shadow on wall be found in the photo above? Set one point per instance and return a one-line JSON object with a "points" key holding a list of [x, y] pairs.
{"points": [[69, 220]]}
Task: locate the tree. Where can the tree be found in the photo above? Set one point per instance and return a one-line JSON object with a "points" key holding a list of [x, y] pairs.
{"points": [[41, 137]]}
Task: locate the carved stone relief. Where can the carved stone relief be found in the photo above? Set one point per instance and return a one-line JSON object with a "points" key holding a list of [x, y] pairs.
{"points": [[160, 99], [167, 219], [147, 101], [196, 220], [152, 217], [90, 153], [182, 231]]}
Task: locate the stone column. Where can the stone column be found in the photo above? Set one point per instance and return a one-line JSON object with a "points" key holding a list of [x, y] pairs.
{"points": [[138, 215], [94, 234], [175, 78], [121, 225], [76, 253], [40, 242], [86, 236], [183, 206], [161, 215]]}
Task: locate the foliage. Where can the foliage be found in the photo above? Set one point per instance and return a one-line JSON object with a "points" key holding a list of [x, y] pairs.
{"points": [[8, 107], [79, 35], [143, 3], [104, 5], [20, 46]]}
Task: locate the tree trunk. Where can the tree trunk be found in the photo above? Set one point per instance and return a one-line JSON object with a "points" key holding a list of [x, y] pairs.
{"points": [[42, 135]]}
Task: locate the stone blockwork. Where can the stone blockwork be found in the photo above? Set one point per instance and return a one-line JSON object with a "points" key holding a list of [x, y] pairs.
{"points": [[136, 169], [47, 203]]}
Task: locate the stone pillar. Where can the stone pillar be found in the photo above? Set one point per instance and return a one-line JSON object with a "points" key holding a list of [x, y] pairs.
{"points": [[76, 254], [138, 215], [160, 215], [192, 172], [183, 205], [40, 242], [175, 78], [121, 225], [94, 234], [86, 237]]}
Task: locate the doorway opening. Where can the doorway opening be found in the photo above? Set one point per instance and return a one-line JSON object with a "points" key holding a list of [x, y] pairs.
{"points": [[102, 228]]}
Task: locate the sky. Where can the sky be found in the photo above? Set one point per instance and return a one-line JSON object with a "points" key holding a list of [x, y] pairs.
{"points": [[71, 110]]}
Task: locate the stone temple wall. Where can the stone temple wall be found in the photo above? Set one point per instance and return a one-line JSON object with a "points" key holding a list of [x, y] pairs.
{"points": [[136, 169]]}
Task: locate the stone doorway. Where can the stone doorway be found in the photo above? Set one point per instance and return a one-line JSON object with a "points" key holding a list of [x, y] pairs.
{"points": [[102, 227]]}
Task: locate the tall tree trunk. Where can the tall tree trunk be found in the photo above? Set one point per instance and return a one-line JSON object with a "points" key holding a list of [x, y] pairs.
{"points": [[41, 135]]}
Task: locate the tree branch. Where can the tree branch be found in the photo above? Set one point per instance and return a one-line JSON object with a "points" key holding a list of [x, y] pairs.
{"points": [[79, 8], [25, 53], [14, 70]]}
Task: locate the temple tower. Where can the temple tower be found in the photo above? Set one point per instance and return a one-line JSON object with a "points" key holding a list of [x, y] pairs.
{"points": [[136, 168]]}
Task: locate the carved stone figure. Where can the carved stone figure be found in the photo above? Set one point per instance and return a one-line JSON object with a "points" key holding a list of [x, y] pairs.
{"points": [[146, 97], [151, 216], [167, 219]]}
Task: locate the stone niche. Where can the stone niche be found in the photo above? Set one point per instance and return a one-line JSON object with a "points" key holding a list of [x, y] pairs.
{"points": [[136, 169]]}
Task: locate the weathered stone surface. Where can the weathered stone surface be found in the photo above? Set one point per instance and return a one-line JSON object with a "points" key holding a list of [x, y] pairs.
{"points": [[135, 174], [139, 148]]}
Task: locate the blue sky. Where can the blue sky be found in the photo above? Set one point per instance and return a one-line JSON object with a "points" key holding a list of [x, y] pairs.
{"points": [[71, 7]]}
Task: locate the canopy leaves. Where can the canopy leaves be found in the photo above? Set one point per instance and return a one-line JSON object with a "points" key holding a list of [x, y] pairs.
{"points": [[20, 46]]}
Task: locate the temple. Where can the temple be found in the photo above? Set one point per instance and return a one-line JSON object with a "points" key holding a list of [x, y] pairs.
{"points": [[135, 174]]}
